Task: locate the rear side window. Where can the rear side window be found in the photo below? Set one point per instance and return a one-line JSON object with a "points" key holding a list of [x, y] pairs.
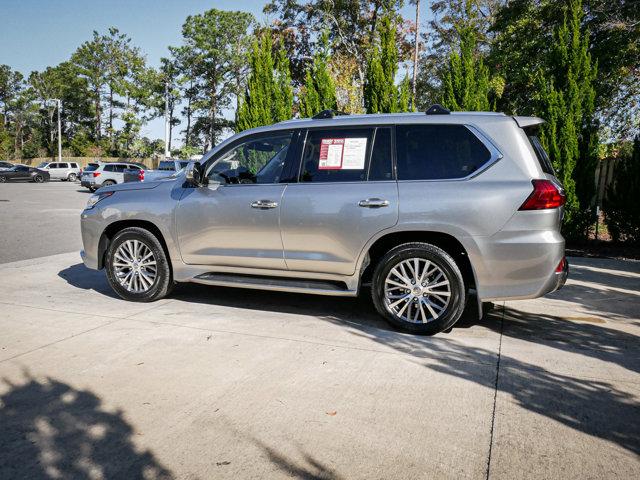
{"points": [[109, 168], [336, 155], [131, 167], [381, 163], [74, 165], [541, 154], [63, 165], [91, 167], [436, 152]]}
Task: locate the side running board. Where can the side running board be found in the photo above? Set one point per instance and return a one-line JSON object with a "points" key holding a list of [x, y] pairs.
{"points": [[282, 284]]}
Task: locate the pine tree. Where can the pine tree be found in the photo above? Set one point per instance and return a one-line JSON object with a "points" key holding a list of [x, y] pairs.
{"points": [[621, 205], [466, 80], [380, 92], [570, 132], [319, 92], [269, 96]]}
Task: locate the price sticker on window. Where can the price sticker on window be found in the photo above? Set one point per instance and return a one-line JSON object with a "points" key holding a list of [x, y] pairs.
{"points": [[342, 153]]}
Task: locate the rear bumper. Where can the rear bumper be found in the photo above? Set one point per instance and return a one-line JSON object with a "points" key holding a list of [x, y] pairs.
{"points": [[559, 278]]}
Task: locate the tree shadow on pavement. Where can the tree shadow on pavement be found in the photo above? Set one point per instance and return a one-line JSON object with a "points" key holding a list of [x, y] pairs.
{"points": [[49, 429], [595, 407]]}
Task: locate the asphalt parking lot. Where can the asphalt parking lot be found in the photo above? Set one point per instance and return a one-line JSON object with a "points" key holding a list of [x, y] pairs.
{"points": [[231, 383]]}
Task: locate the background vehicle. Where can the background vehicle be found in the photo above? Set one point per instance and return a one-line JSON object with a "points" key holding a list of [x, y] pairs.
{"points": [[22, 173], [105, 174], [6, 166], [424, 209], [61, 170], [165, 169]]}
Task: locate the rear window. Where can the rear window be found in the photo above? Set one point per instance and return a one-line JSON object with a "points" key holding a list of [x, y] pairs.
{"points": [[91, 167], [541, 154], [437, 152], [167, 166]]}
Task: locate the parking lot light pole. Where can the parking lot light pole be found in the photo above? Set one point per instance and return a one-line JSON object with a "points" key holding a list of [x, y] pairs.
{"points": [[59, 106]]}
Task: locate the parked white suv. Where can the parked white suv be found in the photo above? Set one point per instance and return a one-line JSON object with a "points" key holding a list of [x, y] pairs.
{"points": [[61, 170], [105, 174]]}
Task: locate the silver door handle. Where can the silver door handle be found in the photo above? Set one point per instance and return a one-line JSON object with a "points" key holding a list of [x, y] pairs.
{"points": [[373, 203], [264, 204]]}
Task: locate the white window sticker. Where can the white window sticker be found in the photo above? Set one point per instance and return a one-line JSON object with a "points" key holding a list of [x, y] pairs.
{"points": [[342, 153], [354, 153]]}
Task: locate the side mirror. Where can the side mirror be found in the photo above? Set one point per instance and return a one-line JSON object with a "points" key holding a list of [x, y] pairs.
{"points": [[195, 175]]}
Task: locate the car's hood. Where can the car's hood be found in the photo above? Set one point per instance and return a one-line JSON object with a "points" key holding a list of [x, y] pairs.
{"points": [[130, 186]]}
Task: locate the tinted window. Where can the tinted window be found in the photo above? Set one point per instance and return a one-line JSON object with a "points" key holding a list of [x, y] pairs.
{"points": [[381, 166], [22, 169], [431, 152], [91, 167], [254, 160], [541, 155], [74, 165], [336, 155], [165, 165], [63, 165], [109, 168], [131, 167]]}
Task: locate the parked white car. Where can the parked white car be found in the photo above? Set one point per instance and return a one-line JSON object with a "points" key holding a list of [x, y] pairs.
{"points": [[61, 170], [99, 175]]}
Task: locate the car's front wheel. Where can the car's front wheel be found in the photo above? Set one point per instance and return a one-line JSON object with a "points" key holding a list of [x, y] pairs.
{"points": [[137, 266], [418, 287], [38, 178]]}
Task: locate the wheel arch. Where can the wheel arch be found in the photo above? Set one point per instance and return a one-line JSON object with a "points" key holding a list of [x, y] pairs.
{"points": [[113, 228], [445, 241]]}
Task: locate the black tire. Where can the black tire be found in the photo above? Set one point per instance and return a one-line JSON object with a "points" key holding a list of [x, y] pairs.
{"points": [[92, 189], [72, 177], [3, 179], [38, 178], [446, 265], [163, 283], [107, 183]]}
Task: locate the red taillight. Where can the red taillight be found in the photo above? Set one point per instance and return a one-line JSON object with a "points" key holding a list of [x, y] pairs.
{"points": [[141, 175], [545, 195], [95, 174], [561, 265]]}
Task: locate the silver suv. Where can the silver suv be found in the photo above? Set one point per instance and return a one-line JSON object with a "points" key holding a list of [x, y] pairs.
{"points": [[61, 170], [97, 175], [425, 209]]}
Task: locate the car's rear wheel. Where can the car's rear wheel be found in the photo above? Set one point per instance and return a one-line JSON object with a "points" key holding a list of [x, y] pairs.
{"points": [[38, 178], [418, 288], [72, 177], [107, 183], [137, 266]]}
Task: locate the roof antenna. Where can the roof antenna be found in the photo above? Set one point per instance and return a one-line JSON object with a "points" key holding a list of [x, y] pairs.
{"points": [[327, 114], [437, 109]]}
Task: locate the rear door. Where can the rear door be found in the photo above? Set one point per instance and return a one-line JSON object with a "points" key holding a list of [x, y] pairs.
{"points": [[346, 194]]}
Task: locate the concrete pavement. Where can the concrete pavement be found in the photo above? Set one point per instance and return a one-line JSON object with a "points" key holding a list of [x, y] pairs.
{"points": [[227, 383]]}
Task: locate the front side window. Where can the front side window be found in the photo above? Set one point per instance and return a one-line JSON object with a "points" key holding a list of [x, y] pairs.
{"points": [[336, 155], [256, 160], [436, 152]]}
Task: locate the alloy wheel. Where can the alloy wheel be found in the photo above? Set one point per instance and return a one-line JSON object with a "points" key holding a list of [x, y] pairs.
{"points": [[417, 290], [134, 266]]}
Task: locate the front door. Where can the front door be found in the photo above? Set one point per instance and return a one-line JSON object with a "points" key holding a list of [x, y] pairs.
{"points": [[346, 195], [234, 221]]}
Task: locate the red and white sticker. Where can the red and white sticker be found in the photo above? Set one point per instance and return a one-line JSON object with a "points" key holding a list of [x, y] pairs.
{"points": [[342, 153]]}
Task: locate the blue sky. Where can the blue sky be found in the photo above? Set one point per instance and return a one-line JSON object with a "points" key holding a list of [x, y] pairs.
{"points": [[36, 34]]}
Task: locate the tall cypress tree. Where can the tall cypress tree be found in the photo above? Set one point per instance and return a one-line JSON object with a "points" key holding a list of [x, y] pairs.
{"points": [[319, 88], [268, 97], [570, 131], [380, 92], [466, 79]]}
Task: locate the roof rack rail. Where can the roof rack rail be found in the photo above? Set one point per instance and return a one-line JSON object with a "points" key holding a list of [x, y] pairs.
{"points": [[437, 109], [327, 114]]}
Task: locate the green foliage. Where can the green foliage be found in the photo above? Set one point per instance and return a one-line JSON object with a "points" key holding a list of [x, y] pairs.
{"points": [[269, 96], [566, 102], [213, 51], [466, 80], [381, 95], [621, 205], [319, 91]]}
